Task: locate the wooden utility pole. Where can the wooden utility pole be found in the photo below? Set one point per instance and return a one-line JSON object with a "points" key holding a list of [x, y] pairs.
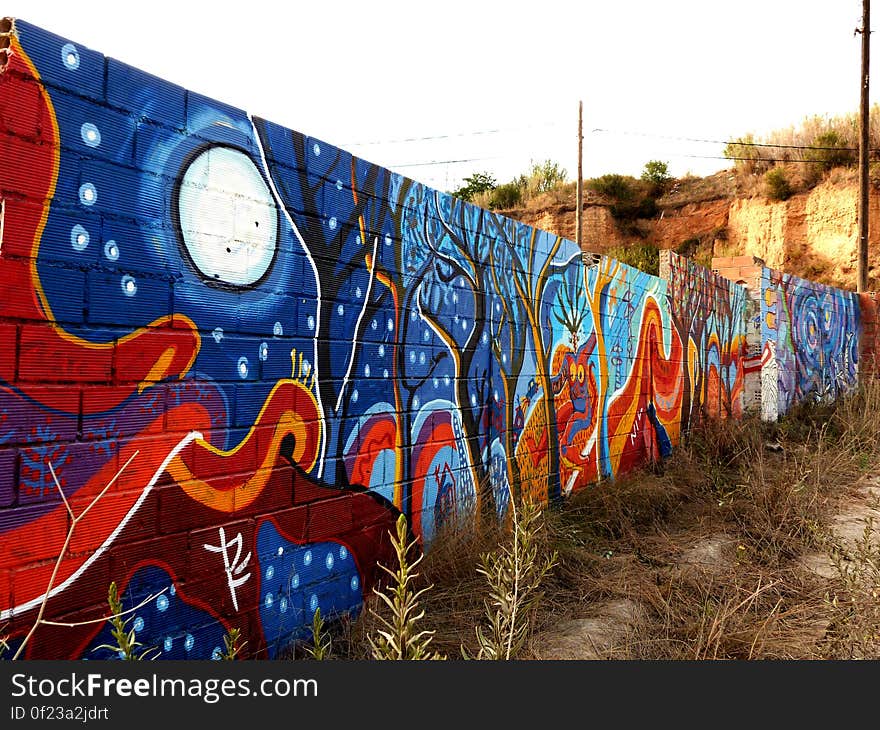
{"points": [[864, 126], [579, 218]]}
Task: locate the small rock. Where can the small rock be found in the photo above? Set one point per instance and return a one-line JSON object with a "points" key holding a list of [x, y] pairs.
{"points": [[593, 637], [715, 552]]}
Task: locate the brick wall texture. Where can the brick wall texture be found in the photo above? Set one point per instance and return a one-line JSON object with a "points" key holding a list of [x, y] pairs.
{"points": [[234, 354]]}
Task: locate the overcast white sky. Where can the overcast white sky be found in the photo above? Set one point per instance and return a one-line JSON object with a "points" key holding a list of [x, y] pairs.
{"points": [[499, 82]]}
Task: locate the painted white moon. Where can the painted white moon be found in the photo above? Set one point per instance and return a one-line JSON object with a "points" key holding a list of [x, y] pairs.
{"points": [[227, 217]]}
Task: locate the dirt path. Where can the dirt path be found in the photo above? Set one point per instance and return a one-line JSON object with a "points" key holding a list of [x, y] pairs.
{"points": [[606, 628]]}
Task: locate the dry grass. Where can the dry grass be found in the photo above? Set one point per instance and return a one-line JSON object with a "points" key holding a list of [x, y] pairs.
{"points": [[755, 498], [452, 607], [693, 189], [820, 147], [708, 550]]}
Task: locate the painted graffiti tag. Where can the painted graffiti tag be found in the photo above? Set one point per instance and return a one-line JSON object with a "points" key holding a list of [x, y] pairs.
{"points": [[232, 566]]}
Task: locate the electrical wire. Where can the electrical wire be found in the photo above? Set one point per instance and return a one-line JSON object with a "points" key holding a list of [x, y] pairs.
{"points": [[451, 135], [734, 142], [750, 159], [444, 162], [630, 133], [700, 140]]}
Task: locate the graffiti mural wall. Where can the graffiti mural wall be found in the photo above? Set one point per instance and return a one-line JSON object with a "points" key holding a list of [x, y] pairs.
{"points": [[267, 348], [709, 313], [250, 351], [810, 338]]}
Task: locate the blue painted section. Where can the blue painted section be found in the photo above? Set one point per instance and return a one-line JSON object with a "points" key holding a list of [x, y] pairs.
{"points": [[166, 627], [296, 580]]}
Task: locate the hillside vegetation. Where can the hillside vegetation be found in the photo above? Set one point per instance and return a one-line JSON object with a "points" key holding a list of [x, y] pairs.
{"points": [[787, 198]]}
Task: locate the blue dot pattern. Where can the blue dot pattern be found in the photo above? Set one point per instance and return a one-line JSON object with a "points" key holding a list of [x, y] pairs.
{"points": [[299, 579], [176, 629]]}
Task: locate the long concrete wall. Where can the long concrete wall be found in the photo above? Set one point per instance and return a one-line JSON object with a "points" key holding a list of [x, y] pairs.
{"points": [[810, 333], [268, 349], [806, 341]]}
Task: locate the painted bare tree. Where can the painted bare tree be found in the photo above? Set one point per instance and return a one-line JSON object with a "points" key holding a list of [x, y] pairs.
{"points": [[531, 266], [688, 296], [399, 270], [456, 236], [340, 207], [729, 316], [599, 279], [509, 338]]}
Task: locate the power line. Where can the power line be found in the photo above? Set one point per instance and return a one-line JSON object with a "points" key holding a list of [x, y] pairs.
{"points": [[756, 159], [739, 143], [450, 135], [700, 140], [681, 155], [445, 162]]}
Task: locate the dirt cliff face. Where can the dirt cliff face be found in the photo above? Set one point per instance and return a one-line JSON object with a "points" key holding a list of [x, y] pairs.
{"points": [[756, 227], [694, 220], [600, 230], [813, 234]]}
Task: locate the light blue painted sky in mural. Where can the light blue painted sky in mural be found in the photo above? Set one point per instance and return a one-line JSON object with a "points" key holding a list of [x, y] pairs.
{"points": [[494, 84]]}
